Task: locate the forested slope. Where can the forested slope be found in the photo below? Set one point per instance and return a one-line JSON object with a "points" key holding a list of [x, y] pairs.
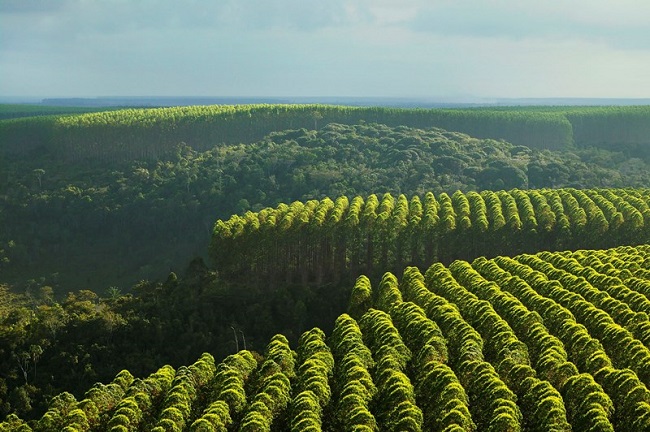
{"points": [[548, 342], [101, 223]]}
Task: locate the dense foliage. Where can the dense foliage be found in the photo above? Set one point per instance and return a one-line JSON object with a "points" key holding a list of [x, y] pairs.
{"points": [[327, 240], [557, 341], [93, 225]]}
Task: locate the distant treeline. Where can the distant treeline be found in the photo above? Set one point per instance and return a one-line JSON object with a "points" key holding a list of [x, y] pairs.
{"points": [[150, 133], [14, 111]]}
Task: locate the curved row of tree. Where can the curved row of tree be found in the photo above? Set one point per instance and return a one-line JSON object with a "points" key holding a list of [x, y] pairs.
{"points": [[319, 240], [627, 393], [548, 358], [498, 344]]}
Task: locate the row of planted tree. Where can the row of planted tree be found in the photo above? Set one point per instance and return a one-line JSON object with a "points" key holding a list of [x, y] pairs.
{"points": [[323, 241], [150, 133], [548, 342]]}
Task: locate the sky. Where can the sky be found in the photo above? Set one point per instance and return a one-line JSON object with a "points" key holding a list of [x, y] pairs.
{"points": [[334, 48]]}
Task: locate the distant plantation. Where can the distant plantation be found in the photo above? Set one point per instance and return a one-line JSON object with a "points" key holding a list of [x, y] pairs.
{"points": [[13, 111], [548, 342], [152, 133], [326, 239]]}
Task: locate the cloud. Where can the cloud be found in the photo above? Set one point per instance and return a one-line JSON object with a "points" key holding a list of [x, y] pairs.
{"points": [[314, 47]]}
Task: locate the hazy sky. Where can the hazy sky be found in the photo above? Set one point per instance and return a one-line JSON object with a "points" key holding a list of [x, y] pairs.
{"points": [[388, 48]]}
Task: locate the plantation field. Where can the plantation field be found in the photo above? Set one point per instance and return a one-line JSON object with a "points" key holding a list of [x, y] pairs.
{"points": [[555, 341], [482, 305]]}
